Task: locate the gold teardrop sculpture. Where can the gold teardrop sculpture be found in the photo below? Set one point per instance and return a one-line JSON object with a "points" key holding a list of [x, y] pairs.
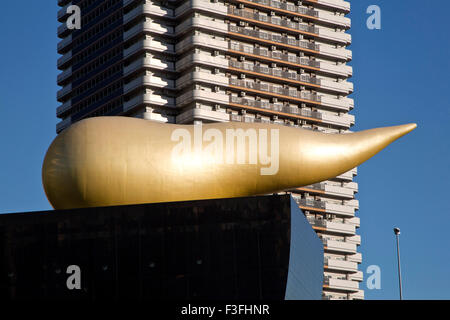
{"points": [[107, 161]]}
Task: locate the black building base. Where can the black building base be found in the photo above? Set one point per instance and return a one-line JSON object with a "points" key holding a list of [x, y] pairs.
{"points": [[242, 248]]}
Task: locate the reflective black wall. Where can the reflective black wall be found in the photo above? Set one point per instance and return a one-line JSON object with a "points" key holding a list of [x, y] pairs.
{"points": [[306, 259], [211, 249]]}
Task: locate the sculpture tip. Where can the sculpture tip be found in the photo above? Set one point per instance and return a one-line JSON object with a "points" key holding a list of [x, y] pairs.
{"points": [[411, 126], [406, 128]]}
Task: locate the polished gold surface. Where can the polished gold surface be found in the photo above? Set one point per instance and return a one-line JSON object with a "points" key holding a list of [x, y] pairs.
{"points": [[109, 161]]}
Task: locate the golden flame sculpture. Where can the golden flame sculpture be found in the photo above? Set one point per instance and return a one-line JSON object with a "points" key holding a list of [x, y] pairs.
{"points": [[108, 161]]}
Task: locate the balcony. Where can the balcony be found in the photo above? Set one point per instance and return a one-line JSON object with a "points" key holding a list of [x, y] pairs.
{"points": [[325, 188], [64, 92], [358, 295], [200, 114], [147, 9], [62, 61], [317, 187], [148, 44], [349, 175], [202, 5], [337, 69], [340, 210], [200, 22], [356, 239], [333, 227], [246, 119], [147, 27], [333, 4], [273, 21], [308, 204], [340, 284], [62, 13], [148, 99], [63, 30], [278, 109], [348, 191], [66, 74], [64, 44], [343, 120], [340, 265], [354, 221], [148, 80], [148, 62], [357, 257], [291, 94], [336, 53], [339, 246], [200, 40], [343, 191], [288, 25], [275, 56], [296, 113], [63, 108], [357, 276], [273, 39], [336, 36], [193, 95], [290, 59], [280, 91], [201, 58], [303, 11], [285, 76], [199, 76], [341, 104], [340, 87]]}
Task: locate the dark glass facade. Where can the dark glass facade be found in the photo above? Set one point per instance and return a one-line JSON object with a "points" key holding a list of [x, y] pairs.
{"points": [[243, 248], [96, 60]]}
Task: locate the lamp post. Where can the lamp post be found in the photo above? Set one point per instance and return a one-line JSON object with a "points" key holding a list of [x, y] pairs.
{"points": [[397, 233]]}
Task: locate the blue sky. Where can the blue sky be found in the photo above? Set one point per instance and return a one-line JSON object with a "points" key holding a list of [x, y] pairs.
{"points": [[401, 75]]}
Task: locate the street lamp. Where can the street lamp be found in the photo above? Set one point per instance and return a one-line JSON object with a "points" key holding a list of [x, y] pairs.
{"points": [[397, 233]]}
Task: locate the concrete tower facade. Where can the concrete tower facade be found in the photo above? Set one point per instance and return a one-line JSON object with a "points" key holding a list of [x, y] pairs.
{"points": [[194, 61]]}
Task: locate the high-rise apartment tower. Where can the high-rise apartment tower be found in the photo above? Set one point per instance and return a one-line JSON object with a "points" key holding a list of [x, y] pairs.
{"points": [[196, 61]]}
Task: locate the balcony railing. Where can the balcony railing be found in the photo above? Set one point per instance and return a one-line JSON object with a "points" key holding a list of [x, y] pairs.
{"points": [[316, 186], [64, 59], [311, 203], [294, 93], [275, 72], [288, 7], [275, 107], [273, 20], [326, 279], [63, 108], [339, 4], [317, 222], [243, 118], [274, 55], [64, 43], [274, 37], [326, 260]]}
